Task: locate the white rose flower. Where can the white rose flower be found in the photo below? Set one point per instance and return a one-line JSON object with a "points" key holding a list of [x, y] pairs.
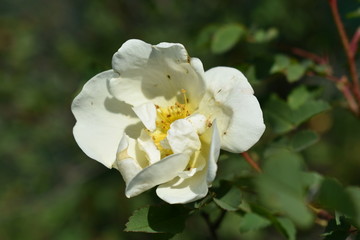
{"points": [[161, 120]]}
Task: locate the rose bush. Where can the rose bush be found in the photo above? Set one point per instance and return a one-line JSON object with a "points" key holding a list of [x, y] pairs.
{"points": [[161, 120]]}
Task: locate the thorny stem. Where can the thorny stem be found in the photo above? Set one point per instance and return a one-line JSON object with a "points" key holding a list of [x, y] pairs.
{"points": [[215, 225], [349, 49], [252, 163]]}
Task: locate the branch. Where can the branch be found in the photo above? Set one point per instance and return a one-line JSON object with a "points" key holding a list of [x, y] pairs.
{"points": [[252, 163], [354, 42], [347, 48], [344, 86], [309, 55]]}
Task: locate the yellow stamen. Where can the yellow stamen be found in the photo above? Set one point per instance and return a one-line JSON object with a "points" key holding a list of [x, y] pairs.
{"points": [[166, 116]]}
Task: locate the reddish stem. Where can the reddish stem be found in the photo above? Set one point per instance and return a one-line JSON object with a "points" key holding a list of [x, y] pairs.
{"points": [[252, 163], [354, 42], [309, 55], [344, 87], [348, 50]]}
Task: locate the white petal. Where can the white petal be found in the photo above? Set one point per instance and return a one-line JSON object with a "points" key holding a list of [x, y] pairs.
{"points": [[187, 174], [198, 67], [198, 159], [211, 143], [147, 145], [182, 190], [101, 119], [182, 137], [128, 168], [123, 147], [197, 163], [198, 121], [230, 100], [156, 73], [158, 173], [129, 148], [147, 114]]}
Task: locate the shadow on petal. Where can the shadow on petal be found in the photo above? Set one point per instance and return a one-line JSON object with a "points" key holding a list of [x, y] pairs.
{"points": [[134, 130], [116, 106]]}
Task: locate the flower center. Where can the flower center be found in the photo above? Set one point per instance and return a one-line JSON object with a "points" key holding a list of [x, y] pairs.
{"points": [[166, 116]]}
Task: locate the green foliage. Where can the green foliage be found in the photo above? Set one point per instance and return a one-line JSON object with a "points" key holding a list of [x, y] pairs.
{"points": [[304, 139], [252, 222], [226, 37], [280, 187], [333, 196], [283, 225], [228, 197], [292, 69], [298, 97], [299, 107], [354, 194], [205, 36], [158, 219], [263, 36], [287, 227], [354, 14]]}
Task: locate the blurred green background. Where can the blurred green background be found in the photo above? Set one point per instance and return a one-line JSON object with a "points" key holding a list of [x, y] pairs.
{"points": [[49, 189]]}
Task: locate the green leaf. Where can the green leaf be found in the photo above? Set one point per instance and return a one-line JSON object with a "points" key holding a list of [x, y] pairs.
{"points": [[321, 69], [297, 142], [304, 139], [251, 75], [280, 64], [252, 221], [204, 37], [291, 68], [287, 227], [261, 36], [298, 97], [280, 187], [228, 197], [158, 219], [226, 37], [308, 110], [203, 202], [279, 114], [354, 14], [300, 107], [354, 194], [282, 224], [295, 71], [312, 180], [333, 196]]}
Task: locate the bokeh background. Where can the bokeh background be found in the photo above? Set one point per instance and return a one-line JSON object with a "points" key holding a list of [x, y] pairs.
{"points": [[49, 189]]}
